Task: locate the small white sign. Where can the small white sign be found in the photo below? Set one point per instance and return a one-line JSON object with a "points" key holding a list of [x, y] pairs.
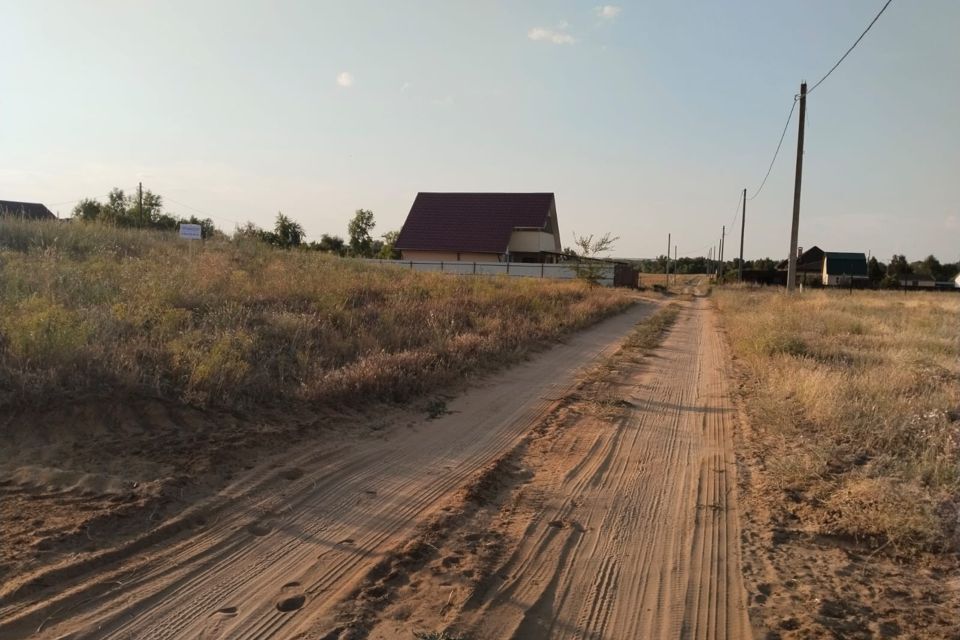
{"points": [[191, 231]]}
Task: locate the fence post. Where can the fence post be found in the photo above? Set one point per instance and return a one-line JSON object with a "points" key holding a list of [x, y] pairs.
{"points": [[508, 267], [541, 271], [474, 268], [411, 265], [441, 265]]}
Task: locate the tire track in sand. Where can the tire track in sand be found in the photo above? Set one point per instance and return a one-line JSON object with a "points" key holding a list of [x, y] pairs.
{"points": [[649, 541]]}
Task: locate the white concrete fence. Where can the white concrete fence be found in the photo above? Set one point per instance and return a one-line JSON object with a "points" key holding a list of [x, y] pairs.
{"points": [[513, 269]]}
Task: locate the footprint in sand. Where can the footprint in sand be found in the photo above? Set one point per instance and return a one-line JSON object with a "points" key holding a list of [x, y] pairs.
{"points": [[291, 603], [260, 528]]}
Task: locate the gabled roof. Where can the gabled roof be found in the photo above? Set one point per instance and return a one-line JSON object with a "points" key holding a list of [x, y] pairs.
{"points": [[845, 264], [472, 222], [810, 261], [31, 210]]}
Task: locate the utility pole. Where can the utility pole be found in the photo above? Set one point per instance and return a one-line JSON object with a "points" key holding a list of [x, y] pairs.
{"points": [[140, 197], [674, 265], [743, 221], [668, 260], [723, 237], [795, 226]]}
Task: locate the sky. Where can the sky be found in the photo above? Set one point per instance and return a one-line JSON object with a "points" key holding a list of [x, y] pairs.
{"points": [[644, 118]]}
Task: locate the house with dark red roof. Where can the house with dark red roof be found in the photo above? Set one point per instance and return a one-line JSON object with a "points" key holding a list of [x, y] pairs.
{"points": [[28, 210], [481, 227], [809, 265]]}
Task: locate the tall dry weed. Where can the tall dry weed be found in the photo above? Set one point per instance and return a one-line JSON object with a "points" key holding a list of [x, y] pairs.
{"points": [[856, 400], [94, 310]]}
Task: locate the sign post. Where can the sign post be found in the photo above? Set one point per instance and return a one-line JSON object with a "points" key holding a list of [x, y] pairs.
{"points": [[191, 231]]}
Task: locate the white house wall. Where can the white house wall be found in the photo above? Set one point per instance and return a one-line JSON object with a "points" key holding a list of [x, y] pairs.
{"points": [[531, 242], [449, 256]]}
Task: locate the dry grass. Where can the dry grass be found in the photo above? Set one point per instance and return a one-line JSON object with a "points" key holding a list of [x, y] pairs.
{"points": [[650, 332], [102, 311], [855, 401]]}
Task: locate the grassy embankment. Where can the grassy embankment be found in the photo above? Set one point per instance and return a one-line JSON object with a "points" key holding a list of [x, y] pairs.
{"points": [[854, 403], [99, 311]]}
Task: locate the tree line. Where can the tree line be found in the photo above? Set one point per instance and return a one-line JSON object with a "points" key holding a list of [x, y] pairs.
{"points": [[147, 211], [130, 210], [889, 274], [699, 264]]}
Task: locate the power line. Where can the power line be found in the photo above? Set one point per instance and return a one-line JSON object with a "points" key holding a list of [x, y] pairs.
{"points": [[54, 204], [737, 213], [777, 152], [793, 106], [195, 210], [843, 57]]}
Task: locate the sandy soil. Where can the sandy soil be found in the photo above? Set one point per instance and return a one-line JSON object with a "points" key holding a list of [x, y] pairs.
{"points": [[278, 549], [616, 518], [804, 585]]}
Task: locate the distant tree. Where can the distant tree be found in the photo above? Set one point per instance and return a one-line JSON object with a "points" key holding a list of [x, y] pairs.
{"points": [[950, 271], [592, 251], [165, 222], [330, 244], [763, 264], [387, 250], [287, 233], [931, 267], [660, 263], [248, 231], [899, 267], [114, 211], [361, 242], [876, 270], [87, 210], [151, 211]]}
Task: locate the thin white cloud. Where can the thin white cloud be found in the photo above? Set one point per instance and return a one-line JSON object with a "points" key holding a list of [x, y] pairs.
{"points": [[345, 79], [406, 86], [608, 11], [558, 35]]}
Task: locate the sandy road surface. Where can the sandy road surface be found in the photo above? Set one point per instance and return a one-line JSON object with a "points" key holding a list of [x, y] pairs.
{"points": [[627, 526], [649, 546], [274, 553]]}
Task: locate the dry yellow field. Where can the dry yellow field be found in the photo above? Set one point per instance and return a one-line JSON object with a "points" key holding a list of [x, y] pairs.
{"points": [[850, 450], [857, 396]]}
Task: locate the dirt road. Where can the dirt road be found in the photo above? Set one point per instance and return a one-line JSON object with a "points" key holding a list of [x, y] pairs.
{"points": [[627, 527], [273, 554]]}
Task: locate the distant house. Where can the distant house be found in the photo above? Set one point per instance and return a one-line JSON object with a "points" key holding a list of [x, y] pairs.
{"points": [[28, 210], [844, 268], [809, 265], [481, 227], [918, 281]]}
